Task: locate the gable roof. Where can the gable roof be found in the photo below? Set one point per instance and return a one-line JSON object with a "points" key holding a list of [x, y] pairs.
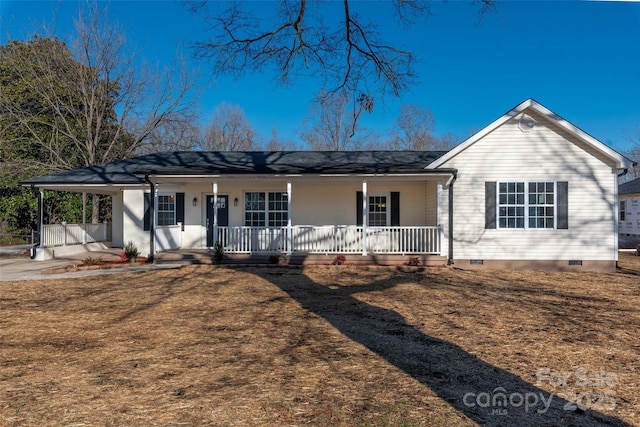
{"points": [[621, 161], [630, 187], [131, 171]]}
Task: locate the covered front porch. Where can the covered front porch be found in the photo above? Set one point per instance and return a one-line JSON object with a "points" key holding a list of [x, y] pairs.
{"points": [[300, 215]]}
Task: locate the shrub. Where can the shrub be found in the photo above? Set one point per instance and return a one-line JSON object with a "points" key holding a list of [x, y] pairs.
{"points": [[92, 261], [218, 252], [414, 261], [131, 251], [339, 260], [274, 259]]}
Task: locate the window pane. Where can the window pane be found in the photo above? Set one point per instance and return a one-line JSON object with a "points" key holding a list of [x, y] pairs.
{"points": [[166, 210], [511, 205], [541, 201], [377, 211]]}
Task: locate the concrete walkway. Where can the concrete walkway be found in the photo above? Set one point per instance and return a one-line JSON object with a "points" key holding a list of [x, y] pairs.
{"points": [[24, 268]]}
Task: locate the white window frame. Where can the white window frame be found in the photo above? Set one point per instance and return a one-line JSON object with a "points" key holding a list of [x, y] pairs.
{"points": [[623, 210], [387, 208], [267, 211], [283, 211], [173, 211], [527, 205]]}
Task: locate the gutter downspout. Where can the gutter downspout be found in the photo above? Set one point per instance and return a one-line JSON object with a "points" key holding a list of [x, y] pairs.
{"points": [[152, 218], [449, 183]]}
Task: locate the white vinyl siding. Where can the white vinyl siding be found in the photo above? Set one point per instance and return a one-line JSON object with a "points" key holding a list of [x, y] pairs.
{"points": [[543, 154]]}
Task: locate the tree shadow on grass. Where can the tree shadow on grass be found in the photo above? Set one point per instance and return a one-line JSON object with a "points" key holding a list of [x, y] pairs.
{"points": [[485, 393]]}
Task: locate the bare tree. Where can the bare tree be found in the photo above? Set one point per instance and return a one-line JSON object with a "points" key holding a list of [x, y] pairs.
{"points": [[414, 131], [95, 101], [178, 134], [298, 38], [331, 125], [229, 130], [276, 143], [634, 154]]}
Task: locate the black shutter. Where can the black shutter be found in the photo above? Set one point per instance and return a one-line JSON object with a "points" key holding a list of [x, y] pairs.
{"points": [[489, 205], [395, 208], [147, 208], [180, 209], [563, 205], [358, 207]]}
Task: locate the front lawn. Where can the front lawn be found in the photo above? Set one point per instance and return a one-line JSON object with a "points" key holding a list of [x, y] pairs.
{"points": [[322, 346]]}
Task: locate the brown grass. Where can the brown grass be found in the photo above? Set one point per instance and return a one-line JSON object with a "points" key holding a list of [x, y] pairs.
{"points": [[317, 346]]}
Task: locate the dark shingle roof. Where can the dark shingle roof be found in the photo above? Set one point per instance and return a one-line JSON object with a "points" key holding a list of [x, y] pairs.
{"points": [[130, 171], [630, 187]]}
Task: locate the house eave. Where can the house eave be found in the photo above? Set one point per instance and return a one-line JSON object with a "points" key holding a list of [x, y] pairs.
{"points": [[427, 174]]}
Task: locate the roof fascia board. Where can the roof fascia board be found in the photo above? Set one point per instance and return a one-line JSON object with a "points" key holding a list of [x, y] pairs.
{"points": [[480, 134], [440, 172], [622, 161]]}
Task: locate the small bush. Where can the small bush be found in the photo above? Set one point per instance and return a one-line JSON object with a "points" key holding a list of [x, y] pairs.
{"points": [[414, 261], [92, 261], [218, 252], [339, 260], [283, 259], [131, 251], [274, 259]]}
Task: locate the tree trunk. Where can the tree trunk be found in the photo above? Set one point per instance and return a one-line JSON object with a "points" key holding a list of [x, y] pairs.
{"points": [[95, 208]]}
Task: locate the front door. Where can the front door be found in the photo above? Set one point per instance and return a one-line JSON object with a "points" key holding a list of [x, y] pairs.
{"points": [[223, 216]]}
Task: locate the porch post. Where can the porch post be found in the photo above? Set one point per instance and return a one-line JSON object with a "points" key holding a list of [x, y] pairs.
{"points": [[289, 236], [365, 214], [215, 213], [439, 187], [84, 218], [152, 218], [41, 241], [450, 254]]}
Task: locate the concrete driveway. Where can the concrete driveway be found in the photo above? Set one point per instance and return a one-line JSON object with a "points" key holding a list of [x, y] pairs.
{"points": [[24, 268]]}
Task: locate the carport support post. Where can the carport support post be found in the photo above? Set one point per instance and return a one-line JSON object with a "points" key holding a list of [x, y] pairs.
{"points": [[215, 213], [365, 214], [289, 236], [41, 241], [84, 218]]}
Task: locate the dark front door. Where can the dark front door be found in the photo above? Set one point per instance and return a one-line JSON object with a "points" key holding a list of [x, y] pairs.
{"points": [[223, 216]]}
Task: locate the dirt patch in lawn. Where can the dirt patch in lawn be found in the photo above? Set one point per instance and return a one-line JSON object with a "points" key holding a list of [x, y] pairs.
{"points": [[322, 346]]}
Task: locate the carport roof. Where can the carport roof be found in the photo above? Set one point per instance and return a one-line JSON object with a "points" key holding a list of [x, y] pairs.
{"points": [[188, 163]]}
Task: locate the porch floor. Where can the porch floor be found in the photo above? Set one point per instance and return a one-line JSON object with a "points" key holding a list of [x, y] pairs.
{"points": [[205, 256]]}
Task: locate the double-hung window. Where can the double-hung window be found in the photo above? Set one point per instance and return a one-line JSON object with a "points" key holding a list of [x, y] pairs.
{"points": [[378, 211], [166, 209], [527, 205], [266, 209], [623, 210]]}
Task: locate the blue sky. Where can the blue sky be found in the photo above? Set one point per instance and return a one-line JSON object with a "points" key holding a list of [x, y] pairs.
{"points": [[579, 59]]}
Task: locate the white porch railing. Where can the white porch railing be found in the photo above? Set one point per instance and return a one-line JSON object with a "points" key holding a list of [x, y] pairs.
{"points": [[72, 234], [330, 239]]}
